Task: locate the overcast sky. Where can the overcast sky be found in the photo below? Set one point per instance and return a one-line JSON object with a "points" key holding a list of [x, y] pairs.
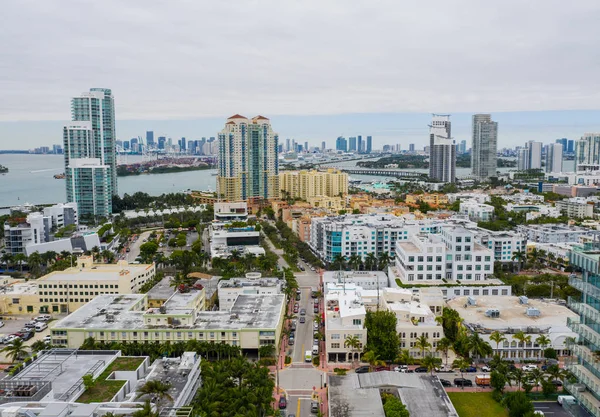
{"points": [[191, 60]]}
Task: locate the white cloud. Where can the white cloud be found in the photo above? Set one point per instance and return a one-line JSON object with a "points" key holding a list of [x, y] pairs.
{"points": [[190, 59]]}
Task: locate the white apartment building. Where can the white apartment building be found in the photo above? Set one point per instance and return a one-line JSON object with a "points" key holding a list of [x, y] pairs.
{"points": [[479, 197], [576, 207], [224, 239], [476, 211], [509, 315], [356, 235], [231, 211], [61, 215], [552, 233], [228, 290], [453, 255], [19, 235], [503, 244], [368, 280]]}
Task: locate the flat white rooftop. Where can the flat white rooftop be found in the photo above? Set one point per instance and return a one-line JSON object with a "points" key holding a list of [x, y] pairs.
{"points": [[512, 313], [110, 272]]}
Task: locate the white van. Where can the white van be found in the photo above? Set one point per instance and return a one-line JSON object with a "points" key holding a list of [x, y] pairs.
{"points": [[565, 399], [308, 356], [315, 350], [40, 327]]}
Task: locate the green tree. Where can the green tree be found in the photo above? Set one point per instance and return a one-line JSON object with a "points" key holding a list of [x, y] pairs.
{"points": [[34, 261], [373, 359], [355, 262], [157, 389], [444, 345], [383, 261], [479, 347], [404, 357], [371, 261], [517, 375], [393, 407], [382, 338], [519, 257], [353, 343], [497, 337], [431, 362], [522, 338], [15, 349], [338, 262], [19, 259], [88, 381], [422, 344], [145, 411], [518, 404], [461, 364], [543, 341], [497, 380]]}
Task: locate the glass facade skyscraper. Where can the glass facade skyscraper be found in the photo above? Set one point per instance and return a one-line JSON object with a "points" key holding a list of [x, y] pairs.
{"points": [[90, 152], [584, 364]]}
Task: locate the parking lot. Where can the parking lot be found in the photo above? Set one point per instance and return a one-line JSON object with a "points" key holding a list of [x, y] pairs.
{"points": [[15, 324], [551, 408]]}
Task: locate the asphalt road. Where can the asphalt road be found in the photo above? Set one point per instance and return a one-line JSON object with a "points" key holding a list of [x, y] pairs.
{"points": [[134, 248], [304, 331]]}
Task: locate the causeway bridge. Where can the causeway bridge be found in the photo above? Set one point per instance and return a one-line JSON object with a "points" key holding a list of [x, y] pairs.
{"points": [[384, 172]]}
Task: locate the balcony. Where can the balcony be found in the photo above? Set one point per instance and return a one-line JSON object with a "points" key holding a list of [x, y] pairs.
{"points": [[585, 399], [590, 287], [584, 309], [586, 377], [584, 330]]}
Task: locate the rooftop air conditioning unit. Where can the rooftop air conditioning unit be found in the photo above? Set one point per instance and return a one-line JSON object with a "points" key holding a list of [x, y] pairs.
{"points": [[471, 301], [523, 299], [532, 312], [492, 313]]}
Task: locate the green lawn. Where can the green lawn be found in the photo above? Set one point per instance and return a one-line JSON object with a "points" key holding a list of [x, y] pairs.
{"points": [[104, 390], [476, 404]]}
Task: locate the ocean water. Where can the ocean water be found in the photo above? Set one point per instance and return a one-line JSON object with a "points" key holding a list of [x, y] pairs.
{"points": [[31, 180]]}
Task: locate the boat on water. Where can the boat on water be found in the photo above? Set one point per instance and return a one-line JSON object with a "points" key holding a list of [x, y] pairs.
{"points": [[59, 176], [214, 174]]}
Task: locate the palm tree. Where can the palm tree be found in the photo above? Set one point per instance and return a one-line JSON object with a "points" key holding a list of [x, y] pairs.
{"points": [[497, 337], [39, 345], [156, 388], [338, 262], [404, 357], [371, 261], [478, 347], [20, 258], [536, 375], [519, 257], [384, 260], [372, 358], [543, 341], [145, 411], [444, 345], [7, 259], [522, 338], [34, 261], [461, 364], [422, 343], [15, 350], [353, 343], [555, 373], [355, 261], [518, 376], [431, 363]]}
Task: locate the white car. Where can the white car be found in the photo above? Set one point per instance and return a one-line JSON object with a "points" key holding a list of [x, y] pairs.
{"points": [[528, 368], [47, 339], [486, 368], [401, 368], [1, 324]]}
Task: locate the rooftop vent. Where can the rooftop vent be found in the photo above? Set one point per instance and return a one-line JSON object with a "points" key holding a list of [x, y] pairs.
{"points": [[532, 312], [492, 313], [471, 301], [523, 300]]}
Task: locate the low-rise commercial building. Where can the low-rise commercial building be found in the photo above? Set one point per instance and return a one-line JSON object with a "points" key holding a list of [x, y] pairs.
{"points": [[252, 284], [511, 315], [433, 199], [552, 233], [253, 321]]}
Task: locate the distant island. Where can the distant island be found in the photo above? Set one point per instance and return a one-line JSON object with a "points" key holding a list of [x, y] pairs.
{"points": [[162, 166], [420, 162], [3, 169]]}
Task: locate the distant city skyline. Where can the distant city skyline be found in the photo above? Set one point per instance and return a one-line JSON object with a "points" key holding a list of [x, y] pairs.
{"points": [[515, 129]]}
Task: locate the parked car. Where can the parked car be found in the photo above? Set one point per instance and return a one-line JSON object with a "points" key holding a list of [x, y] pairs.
{"points": [[362, 370], [401, 368], [443, 368], [382, 368], [316, 325], [316, 309], [282, 402], [9, 368], [1, 323], [420, 369], [297, 297], [486, 368], [303, 312], [529, 367], [26, 336], [293, 327], [302, 320], [43, 317], [291, 341], [469, 369], [295, 309], [463, 382], [40, 327], [48, 338], [445, 383], [314, 407], [557, 383]]}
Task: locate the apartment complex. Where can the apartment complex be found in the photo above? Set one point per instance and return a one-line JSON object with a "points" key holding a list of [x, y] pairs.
{"points": [[577, 207], [584, 364], [224, 236], [552, 233], [530, 157], [451, 255], [90, 153], [554, 157], [253, 283], [476, 211], [248, 163], [442, 150], [253, 321], [308, 184], [587, 152], [484, 146]]}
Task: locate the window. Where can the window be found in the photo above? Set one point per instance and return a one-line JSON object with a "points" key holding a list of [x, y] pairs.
{"points": [[16, 300], [357, 322], [458, 258], [335, 345], [478, 259], [420, 258], [335, 336], [430, 259]]}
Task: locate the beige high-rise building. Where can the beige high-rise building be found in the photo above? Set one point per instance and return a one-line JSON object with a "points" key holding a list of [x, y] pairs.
{"points": [[248, 164], [309, 184]]}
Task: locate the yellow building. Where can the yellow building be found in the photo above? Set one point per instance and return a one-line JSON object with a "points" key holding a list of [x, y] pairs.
{"points": [[307, 184], [431, 199]]}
